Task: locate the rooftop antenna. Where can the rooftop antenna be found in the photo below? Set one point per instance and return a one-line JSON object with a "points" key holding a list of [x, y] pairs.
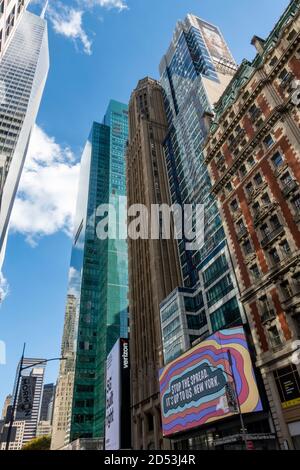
{"points": [[44, 9]]}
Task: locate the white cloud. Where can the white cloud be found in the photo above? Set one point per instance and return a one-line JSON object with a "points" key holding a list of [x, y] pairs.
{"points": [[119, 4], [47, 194], [4, 288], [68, 20]]}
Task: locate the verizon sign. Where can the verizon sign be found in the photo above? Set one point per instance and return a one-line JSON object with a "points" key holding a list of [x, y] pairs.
{"points": [[117, 423]]}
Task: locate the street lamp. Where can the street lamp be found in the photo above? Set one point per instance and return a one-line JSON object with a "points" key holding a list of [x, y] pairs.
{"points": [[21, 368], [231, 375]]}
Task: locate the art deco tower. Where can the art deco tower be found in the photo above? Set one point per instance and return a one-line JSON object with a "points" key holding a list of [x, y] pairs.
{"points": [[154, 269]]}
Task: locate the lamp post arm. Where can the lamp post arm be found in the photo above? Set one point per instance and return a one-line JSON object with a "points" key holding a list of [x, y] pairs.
{"points": [[43, 362]]}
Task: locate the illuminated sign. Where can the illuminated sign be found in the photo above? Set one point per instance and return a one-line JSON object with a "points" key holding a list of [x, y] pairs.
{"points": [[196, 388], [117, 423]]}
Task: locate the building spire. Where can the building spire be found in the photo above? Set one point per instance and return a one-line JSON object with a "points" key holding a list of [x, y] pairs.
{"points": [[44, 9]]}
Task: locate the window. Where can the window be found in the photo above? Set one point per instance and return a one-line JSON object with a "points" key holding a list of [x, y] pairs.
{"points": [[274, 256], [265, 230], [274, 221], [258, 179], [296, 279], [243, 171], [227, 315], [195, 322], [254, 112], [219, 290], [266, 199], [234, 205], [249, 189], [286, 290], [255, 208], [240, 225], [274, 336], [285, 78], [277, 159], [288, 383], [255, 271], [251, 161], [286, 178], [215, 270], [264, 303], [228, 187], [247, 247], [286, 249], [268, 141], [296, 202]]}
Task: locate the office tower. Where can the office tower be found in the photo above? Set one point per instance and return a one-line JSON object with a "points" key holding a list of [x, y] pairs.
{"points": [[7, 403], [98, 283], [195, 71], [10, 15], [65, 383], [253, 157], [153, 264], [44, 428], [31, 385], [23, 73], [47, 398]]}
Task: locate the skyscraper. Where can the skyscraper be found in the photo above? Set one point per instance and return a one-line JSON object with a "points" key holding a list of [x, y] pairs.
{"points": [[10, 15], [47, 398], [23, 73], [7, 403], [98, 281], [26, 427], [154, 269], [65, 383], [194, 72]]}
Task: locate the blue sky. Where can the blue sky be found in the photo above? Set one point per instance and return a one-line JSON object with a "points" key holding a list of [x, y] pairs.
{"points": [[98, 50]]}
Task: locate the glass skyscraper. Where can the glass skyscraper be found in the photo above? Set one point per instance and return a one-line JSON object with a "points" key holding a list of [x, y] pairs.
{"points": [[194, 73], [23, 72], [98, 281]]}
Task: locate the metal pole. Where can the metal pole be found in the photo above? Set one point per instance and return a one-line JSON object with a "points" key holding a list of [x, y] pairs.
{"points": [[11, 420], [244, 434]]}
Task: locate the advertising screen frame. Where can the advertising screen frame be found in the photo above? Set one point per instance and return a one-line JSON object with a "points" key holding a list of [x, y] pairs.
{"points": [[193, 386]]}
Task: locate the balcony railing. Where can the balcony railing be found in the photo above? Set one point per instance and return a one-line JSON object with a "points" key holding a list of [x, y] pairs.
{"points": [[267, 315], [270, 236], [289, 187]]}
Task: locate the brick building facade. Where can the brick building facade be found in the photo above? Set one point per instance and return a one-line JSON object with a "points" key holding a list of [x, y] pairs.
{"points": [[253, 153]]}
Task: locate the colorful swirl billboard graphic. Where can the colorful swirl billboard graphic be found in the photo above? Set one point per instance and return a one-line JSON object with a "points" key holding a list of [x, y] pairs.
{"points": [[194, 387]]}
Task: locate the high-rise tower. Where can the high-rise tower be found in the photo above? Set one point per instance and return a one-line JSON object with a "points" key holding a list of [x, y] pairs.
{"points": [[195, 71], [10, 15], [25, 426], [23, 73], [97, 296], [154, 269]]}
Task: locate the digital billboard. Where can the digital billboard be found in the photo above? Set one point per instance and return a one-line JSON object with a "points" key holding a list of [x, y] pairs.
{"points": [[117, 423], [215, 42], [194, 388]]}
